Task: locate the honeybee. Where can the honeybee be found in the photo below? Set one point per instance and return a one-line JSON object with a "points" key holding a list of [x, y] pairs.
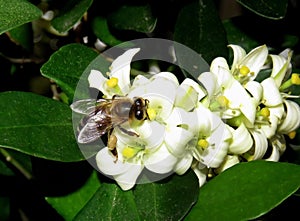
{"points": [[103, 115]]}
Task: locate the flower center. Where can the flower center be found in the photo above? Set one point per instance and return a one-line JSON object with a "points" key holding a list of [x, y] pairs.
{"points": [[129, 152], [203, 144], [292, 134], [265, 112], [244, 70], [151, 113], [295, 79], [112, 82]]}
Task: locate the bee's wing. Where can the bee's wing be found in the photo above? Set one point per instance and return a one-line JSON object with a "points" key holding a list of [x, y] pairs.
{"points": [[85, 106], [89, 133], [94, 125]]}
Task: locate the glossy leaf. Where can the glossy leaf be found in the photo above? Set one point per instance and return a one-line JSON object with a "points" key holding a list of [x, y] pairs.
{"points": [[207, 35], [80, 196], [134, 18], [14, 13], [235, 35], [71, 13], [167, 200], [66, 66], [37, 126], [273, 9], [246, 191], [109, 203], [101, 30]]}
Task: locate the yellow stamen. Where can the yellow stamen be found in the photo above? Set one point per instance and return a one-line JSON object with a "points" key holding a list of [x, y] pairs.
{"points": [[244, 70], [129, 152], [295, 79], [202, 143], [112, 82], [265, 112], [151, 113], [292, 134], [223, 101]]}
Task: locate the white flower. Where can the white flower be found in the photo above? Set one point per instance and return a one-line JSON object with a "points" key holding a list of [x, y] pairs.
{"points": [[226, 95], [118, 81]]}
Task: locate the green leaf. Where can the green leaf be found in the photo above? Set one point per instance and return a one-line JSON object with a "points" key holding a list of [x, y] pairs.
{"points": [[109, 203], [23, 35], [246, 191], [65, 205], [134, 18], [70, 14], [14, 13], [199, 27], [168, 200], [102, 31], [37, 126], [272, 9], [236, 35], [66, 66]]}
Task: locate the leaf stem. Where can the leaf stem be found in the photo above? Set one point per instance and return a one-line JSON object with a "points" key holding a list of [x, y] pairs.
{"points": [[15, 163]]}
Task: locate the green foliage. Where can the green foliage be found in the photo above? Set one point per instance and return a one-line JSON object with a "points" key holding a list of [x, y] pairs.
{"points": [[37, 126], [135, 18], [247, 190], [70, 14], [37, 142], [269, 9], [167, 200], [14, 13], [66, 66], [207, 37]]}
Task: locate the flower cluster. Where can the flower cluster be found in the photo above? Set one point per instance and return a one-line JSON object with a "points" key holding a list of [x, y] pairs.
{"points": [[227, 118]]}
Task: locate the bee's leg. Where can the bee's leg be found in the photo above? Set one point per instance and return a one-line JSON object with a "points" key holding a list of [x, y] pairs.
{"points": [[128, 132], [112, 145]]}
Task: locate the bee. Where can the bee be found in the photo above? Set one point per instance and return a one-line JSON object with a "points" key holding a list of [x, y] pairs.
{"points": [[103, 115]]}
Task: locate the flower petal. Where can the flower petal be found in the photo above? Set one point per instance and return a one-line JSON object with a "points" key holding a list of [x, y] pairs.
{"points": [[184, 164], [151, 135], [176, 139], [280, 67], [292, 119], [209, 80], [238, 54], [241, 140], [188, 94], [261, 145], [201, 173], [229, 161], [275, 155], [107, 165], [255, 60], [97, 80], [255, 89], [128, 179], [240, 99], [275, 115], [167, 75], [161, 161], [271, 94], [120, 68], [213, 155]]}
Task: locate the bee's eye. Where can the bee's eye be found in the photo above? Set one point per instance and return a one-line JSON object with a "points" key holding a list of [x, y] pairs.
{"points": [[138, 102], [139, 115]]}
